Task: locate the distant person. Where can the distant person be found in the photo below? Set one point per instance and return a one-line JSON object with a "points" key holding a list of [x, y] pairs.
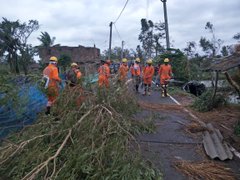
{"points": [[165, 73], [148, 73], [104, 74], [73, 75], [136, 74], [123, 70], [51, 73]]}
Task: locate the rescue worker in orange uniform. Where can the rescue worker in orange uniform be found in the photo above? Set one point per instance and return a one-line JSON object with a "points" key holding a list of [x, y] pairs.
{"points": [[104, 74], [148, 73], [136, 73], [165, 73], [73, 75], [51, 73], [123, 70]]}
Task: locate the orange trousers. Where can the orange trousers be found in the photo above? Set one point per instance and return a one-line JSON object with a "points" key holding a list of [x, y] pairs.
{"points": [[103, 81]]}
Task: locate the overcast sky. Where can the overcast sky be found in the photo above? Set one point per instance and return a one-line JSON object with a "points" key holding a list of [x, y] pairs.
{"points": [[86, 22]]}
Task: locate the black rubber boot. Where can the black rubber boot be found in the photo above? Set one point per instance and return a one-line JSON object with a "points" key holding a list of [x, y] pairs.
{"points": [[137, 88], [48, 110]]}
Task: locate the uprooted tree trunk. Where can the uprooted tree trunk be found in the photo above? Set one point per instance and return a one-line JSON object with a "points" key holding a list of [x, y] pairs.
{"points": [[232, 83]]}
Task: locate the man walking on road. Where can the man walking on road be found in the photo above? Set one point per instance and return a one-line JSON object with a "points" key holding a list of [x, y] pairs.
{"points": [[51, 73], [136, 73], [165, 73], [123, 70], [148, 73], [104, 74]]}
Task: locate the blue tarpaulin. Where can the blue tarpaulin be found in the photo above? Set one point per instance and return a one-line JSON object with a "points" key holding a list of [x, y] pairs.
{"points": [[32, 101]]}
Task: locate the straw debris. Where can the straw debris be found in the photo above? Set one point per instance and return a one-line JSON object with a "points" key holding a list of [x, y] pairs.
{"points": [[204, 170], [195, 128]]}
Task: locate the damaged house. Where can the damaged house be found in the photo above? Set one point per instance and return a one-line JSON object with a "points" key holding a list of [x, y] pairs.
{"points": [[86, 57]]}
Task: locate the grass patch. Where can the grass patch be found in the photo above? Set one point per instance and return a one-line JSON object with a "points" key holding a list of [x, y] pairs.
{"points": [[204, 103], [174, 90], [237, 129]]}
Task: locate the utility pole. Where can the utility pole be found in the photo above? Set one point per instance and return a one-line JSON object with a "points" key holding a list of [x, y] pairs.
{"points": [[110, 40], [122, 50], [166, 23]]}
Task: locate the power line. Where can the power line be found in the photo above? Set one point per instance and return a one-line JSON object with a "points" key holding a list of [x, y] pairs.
{"points": [[147, 9], [117, 32], [121, 12]]}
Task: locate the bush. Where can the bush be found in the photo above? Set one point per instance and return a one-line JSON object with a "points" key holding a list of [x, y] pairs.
{"points": [[237, 129], [204, 102]]}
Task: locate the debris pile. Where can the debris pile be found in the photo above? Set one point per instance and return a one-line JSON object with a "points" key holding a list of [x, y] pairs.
{"points": [[87, 137]]}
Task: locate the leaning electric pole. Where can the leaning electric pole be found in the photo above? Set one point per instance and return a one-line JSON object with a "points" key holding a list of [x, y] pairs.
{"points": [[110, 40], [166, 23]]}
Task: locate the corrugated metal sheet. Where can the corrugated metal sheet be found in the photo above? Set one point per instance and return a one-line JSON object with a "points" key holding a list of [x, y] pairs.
{"points": [[214, 144]]}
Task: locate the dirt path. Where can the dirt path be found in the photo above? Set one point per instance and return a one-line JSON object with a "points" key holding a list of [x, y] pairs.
{"points": [[171, 142]]}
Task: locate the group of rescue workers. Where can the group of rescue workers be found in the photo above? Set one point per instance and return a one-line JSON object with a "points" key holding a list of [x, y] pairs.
{"points": [[139, 74]]}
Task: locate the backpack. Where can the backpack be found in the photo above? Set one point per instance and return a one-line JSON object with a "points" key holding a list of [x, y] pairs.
{"points": [[72, 77]]}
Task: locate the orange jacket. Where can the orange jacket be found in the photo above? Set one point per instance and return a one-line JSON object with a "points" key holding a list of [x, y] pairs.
{"points": [[165, 71], [136, 70], [51, 72], [103, 75], [104, 71], [123, 70], [148, 73]]}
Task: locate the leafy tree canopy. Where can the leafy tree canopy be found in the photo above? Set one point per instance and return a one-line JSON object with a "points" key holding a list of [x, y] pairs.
{"points": [[46, 40]]}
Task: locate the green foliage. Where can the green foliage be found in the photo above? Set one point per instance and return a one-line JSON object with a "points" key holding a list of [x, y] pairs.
{"points": [[150, 36], [178, 62], [13, 39], [237, 128], [64, 61], [212, 46], [204, 102], [4, 69], [98, 147], [207, 46], [174, 90], [225, 51], [236, 76], [236, 36], [190, 50], [8, 89], [14, 91], [46, 40], [116, 53]]}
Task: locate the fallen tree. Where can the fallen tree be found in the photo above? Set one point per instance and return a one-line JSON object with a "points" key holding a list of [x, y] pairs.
{"points": [[88, 136]]}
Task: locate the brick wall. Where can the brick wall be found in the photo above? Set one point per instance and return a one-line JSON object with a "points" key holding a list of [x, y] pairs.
{"points": [[79, 54]]}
